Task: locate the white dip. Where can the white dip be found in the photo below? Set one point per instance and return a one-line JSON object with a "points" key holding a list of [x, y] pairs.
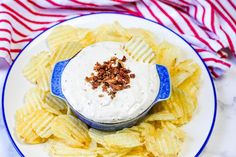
{"points": [[127, 104]]}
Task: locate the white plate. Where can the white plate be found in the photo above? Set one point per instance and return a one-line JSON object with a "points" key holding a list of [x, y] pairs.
{"points": [[15, 86]]}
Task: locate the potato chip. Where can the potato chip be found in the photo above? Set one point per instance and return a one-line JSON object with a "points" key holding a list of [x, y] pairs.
{"points": [[122, 140], [139, 50], [59, 149], [182, 120], [82, 32], [69, 111], [61, 35], [182, 71], [146, 35], [36, 99], [34, 96], [27, 109], [114, 153], [51, 109], [98, 136], [180, 105], [177, 103], [24, 130], [143, 129], [167, 55], [138, 152], [161, 116], [132, 130], [30, 71], [112, 32], [43, 82], [41, 123], [117, 142], [191, 85], [71, 130], [179, 133], [54, 104], [33, 101], [163, 143], [42, 58], [65, 51], [138, 155], [88, 39]]}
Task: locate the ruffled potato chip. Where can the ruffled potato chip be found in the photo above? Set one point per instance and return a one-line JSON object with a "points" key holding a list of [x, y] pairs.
{"points": [[61, 35], [88, 39], [138, 152], [191, 85], [180, 105], [163, 143], [65, 51], [24, 129], [36, 99], [101, 151], [143, 129], [139, 50], [27, 109], [98, 136], [161, 116], [122, 140], [54, 104], [182, 71], [112, 32], [31, 71], [33, 101], [41, 123], [179, 133], [43, 82], [115, 143], [146, 35], [71, 130], [34, 96], [59, 149], [167, 55]]}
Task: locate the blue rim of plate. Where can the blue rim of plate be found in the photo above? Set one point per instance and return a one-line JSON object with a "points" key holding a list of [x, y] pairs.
{"points": [[4, 85]]}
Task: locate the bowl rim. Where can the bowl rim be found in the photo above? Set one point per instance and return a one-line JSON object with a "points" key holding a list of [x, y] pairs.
{"points": [[111, 13]]}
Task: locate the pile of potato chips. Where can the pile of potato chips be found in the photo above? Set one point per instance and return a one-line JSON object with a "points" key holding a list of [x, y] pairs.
{"points": [[45, 118]]}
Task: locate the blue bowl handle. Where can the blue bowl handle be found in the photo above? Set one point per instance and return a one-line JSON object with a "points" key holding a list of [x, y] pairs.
{"points": [[165, 84], [56, 89]]}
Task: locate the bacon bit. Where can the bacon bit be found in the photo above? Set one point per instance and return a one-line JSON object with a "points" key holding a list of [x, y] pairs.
{"points": [[132, 75], [123, 59], [111, 75], [101, 95]]}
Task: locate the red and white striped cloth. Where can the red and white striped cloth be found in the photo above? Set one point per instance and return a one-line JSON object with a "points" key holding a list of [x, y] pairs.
{"points": [[208, 25]]}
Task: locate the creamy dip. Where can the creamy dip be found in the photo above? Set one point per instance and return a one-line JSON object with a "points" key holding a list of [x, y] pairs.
{"points": [[127, 103]]}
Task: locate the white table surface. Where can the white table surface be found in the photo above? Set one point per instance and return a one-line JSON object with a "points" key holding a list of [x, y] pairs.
{"points": [[222, 142]]}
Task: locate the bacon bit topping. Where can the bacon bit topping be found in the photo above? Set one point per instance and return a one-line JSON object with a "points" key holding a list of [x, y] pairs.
{"points": [[101, 95], [111, 75], [132, 75]]}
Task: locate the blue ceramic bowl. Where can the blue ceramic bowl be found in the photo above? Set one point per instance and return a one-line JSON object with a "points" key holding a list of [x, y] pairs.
{"points": [[162, 94]]}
